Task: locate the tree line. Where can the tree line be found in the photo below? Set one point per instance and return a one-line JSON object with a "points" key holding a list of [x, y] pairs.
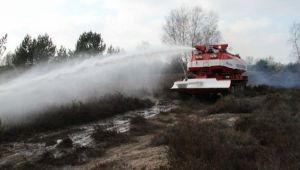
{"points": [[41, 49], [183, 26]]}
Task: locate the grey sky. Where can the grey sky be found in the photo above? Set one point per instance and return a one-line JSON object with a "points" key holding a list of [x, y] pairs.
{"points": [[252, 28]]}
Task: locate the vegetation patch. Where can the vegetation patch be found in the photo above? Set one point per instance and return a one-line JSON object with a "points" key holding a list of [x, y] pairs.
{"points": [[266, 139], [140, 126], [75, 114], [109, 137], [276, 127], [112, 165], [195, 145], [234, 104]]}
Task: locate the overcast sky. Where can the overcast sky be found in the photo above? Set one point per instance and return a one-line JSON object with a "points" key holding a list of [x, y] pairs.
{"points": [[258, 28]]}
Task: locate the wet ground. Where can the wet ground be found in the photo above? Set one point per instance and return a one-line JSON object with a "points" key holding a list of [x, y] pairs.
{"points": [[60, 145]]}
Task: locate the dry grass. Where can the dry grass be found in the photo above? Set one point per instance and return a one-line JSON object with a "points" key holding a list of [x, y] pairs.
{"points": [[109, 137], [74, 155], [259, 90], [140, 126], [276, 126], [266, 139], [74, 114], [159, 139], [234, 104], [138, 120], [112, 166], [195, 145]]}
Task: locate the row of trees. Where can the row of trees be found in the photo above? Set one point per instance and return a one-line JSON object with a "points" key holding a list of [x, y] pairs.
{"points": [[183, 26], [33, 51]]}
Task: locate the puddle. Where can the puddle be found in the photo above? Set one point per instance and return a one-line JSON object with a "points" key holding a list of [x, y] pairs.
{"points": [[120, 123], [16, 153]]}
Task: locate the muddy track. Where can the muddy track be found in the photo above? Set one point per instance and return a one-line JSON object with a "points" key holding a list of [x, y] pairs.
{"points": [[30, 151], [75, 148]]}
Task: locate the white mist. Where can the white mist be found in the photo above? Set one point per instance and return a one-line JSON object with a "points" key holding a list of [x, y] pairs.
{"points": [[53, 85]]}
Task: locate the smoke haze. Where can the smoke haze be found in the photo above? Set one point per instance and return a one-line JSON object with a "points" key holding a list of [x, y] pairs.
{"points": [[265, 72]]}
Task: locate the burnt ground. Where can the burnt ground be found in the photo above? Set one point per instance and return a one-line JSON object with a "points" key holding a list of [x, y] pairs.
{"points": [[68, 147], [256, 130]]}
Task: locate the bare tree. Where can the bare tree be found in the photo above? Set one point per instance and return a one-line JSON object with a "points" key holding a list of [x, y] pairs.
{"points": [[3, 41], [295, 38], [185, 26]]}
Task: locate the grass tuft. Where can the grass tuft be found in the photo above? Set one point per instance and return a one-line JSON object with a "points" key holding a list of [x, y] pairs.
{"points": [[74, 114]]}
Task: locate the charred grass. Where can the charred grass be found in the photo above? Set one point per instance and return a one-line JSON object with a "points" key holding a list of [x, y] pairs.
{"points": [[74, 114], [276, 127], [235, 104], [195, 145], [268, 138], [109, 137], [112, 165], [140, 126], [68, 154]]}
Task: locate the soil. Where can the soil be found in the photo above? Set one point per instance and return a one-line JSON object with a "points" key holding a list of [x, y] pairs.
{"points": [[74, 148]]}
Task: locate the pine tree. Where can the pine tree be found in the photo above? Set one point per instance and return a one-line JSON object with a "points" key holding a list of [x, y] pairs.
{"points": [[90, 43]]}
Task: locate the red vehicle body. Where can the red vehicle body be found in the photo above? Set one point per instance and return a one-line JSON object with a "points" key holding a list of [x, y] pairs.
{"points": [[213, 69]]}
